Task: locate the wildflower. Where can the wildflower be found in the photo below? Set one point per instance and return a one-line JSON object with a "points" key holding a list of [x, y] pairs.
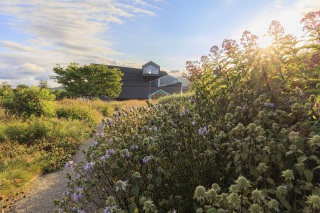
{"points": [[110, 201], [275, 126], [314, 202], [233, 199], [95, 143], [288, 175], [109, 152], [200, 194], [202, 131], [251, 127], [273, 204], [256, 196], [211, 195], [282, 190], [69, 164], [193, 123], [228, 116], [134, 147], [269, 104], [107, 210], [242, 182], [238, 109], [89, 166], [293, 137], [121, 185], [136, 175], [77, 195], [255, 208], [215, 187], [102, 158], [127, 154], [148, 206], [147, 159], [315, 140], [245, 108], [262, 167]]}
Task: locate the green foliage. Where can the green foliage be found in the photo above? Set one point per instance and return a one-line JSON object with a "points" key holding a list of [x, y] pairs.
{"points": [[28, 101], [89, 80], [174, 98], [80, 110], [247, 140]]}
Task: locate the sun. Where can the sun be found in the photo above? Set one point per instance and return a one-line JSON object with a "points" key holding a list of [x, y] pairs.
{"points": [[265, 41]]}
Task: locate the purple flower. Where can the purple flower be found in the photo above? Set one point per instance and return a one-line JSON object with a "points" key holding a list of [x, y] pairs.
{"points": [[127, 154], [109, 152], [77, 196], [245, 108], [134, 147], [193, 123], [89, 166], [107, 210], [202, 130], [69, 164], [102, 158], [269, 104], [147, 159]]}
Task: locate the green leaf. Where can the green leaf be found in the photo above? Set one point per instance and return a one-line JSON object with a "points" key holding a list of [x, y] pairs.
{"points": [[297, 190], [283, 201], [133, 208], [288, 153], [236, 157], [269, 180], [308, 174]]}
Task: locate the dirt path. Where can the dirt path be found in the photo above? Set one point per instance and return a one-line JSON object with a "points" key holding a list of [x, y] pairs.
{"points": [[46, 188]]}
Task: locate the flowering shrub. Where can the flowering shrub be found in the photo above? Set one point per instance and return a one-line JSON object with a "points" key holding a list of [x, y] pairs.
{"points": [[246, 141]]}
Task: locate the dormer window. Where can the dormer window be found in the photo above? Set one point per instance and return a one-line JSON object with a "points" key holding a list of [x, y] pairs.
{"points": [[150, 69]]}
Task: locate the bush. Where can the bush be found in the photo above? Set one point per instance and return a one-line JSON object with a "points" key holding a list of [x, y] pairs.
{"points": [[79, 110], [29, 101], [174, 98], [246, 141]]}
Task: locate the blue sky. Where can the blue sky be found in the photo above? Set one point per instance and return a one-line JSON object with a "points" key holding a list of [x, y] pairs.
{"points": [[38, 34]]}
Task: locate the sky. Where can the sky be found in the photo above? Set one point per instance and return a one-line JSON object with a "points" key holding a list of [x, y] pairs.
{"points": [[37, 35]]}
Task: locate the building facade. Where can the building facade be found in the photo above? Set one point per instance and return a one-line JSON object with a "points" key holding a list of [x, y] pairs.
{"points": [[147, 82]]}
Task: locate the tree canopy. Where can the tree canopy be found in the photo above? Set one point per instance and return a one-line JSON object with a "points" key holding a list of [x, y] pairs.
{"points": [[89, 80]]}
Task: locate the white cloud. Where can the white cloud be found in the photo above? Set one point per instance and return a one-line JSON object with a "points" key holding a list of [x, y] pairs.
{"points": [[289, 16], [15, 46], [60, 32]]}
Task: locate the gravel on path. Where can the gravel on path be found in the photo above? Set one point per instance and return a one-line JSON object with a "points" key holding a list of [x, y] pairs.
{"points": [[46, 188]]}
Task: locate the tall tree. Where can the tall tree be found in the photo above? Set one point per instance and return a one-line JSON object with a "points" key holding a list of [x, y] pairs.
{"points": [[43, 84], [89, 80]]}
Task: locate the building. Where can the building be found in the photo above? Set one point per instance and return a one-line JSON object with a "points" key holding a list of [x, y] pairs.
{"points": [[147, 82]]}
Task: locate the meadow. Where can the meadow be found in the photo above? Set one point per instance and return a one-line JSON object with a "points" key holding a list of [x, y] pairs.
{"points": [[40, 144]]}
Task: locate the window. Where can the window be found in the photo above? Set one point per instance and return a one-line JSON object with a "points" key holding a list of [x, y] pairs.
{"points": [[166, 80], [151, 70]]}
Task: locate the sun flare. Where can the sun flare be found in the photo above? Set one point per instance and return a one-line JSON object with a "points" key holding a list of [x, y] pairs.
{"points": [[265, 41]]}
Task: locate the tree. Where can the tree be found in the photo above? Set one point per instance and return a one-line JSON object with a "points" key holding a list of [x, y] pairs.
{"points": [[28, 101], [89, 80], [5, 86], [43, 84]]}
